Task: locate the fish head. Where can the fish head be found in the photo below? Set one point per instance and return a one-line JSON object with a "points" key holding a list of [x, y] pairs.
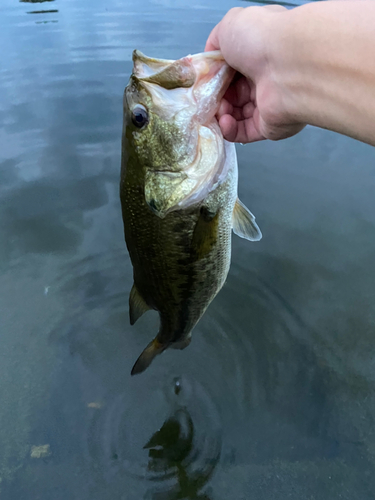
{"points": [[171, 130]]}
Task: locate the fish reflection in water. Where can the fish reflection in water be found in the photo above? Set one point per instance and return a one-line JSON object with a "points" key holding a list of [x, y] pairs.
{"points": [[171, 452]]}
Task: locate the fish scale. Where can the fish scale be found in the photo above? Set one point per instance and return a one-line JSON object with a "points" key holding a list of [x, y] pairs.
{"points": [[166, 261], [178, 194]]}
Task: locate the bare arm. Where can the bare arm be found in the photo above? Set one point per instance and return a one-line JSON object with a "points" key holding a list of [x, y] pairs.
{"points": [[313, 65]]}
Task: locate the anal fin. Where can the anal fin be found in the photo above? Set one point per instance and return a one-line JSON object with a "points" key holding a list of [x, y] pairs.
{"points": [[137, 305], [244, 224]]}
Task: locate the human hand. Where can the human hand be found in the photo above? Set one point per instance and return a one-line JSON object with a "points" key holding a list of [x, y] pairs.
{"points": [[255, 105]]}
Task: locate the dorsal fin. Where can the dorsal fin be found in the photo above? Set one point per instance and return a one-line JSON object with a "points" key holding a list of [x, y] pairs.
{"points": [[243, 223], [137, 306]]}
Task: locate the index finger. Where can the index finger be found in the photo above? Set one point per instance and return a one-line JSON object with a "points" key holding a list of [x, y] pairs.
{"points": [[213, 40]]}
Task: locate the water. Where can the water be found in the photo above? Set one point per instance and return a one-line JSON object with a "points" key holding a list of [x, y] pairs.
{"points": [[274, 398]]}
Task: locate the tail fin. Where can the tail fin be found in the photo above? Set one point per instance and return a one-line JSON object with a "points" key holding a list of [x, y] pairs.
{"points": [[145, 359]]}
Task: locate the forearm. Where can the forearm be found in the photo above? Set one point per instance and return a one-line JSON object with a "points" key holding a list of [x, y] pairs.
{"points": [[323, 59]]}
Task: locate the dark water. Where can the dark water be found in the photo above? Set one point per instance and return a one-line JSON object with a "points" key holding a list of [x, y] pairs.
{"points": [[274, 398]]}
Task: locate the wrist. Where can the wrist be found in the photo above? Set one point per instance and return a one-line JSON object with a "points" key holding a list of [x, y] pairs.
{"points": [[321, 65], [283, 72]]}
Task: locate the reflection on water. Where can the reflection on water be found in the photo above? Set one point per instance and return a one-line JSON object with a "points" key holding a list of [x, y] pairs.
{"points": [[274, 398], [42, 11], [36, 1], [172, 449]]}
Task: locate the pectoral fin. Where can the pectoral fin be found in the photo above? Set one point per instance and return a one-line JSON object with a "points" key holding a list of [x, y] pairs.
{"points": [[145, 359], [137, 306], [205, 233], [244, 224]]}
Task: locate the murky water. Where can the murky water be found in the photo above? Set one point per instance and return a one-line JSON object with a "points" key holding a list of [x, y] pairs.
{"points": [[274, 398]]}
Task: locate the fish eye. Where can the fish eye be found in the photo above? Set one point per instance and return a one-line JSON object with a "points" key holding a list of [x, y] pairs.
{"points": [[139, 116]]}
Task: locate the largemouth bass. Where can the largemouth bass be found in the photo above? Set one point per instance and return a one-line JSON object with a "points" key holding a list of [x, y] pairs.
{"points": [[178, 193]]}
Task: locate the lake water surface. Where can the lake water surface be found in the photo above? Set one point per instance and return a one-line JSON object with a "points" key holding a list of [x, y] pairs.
{"points": [[274, 398]]}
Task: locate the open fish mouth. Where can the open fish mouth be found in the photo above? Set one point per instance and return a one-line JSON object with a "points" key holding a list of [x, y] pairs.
{"points": [[180, 99], [179, 70], [184, 95], [206, 74]]}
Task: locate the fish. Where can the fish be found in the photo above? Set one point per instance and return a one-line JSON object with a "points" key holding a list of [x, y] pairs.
{"points": [[178, 191]]}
